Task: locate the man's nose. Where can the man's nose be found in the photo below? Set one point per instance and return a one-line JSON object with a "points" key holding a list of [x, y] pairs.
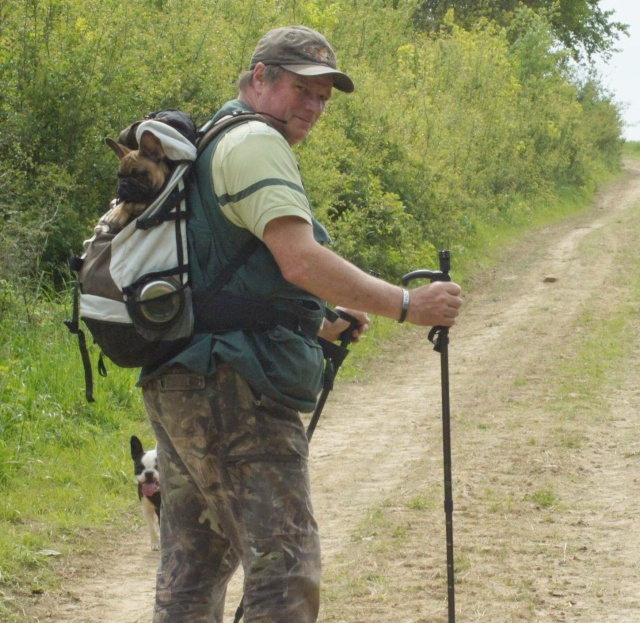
{"points": [[316, 104]]}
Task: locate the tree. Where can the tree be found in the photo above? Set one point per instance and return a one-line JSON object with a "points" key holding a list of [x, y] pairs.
{"points": [[581, 26]]}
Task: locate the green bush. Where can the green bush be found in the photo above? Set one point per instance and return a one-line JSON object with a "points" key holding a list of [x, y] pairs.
{"points": [[446, 131]]}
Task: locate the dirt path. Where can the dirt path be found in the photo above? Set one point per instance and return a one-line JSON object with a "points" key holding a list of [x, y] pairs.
{"points": [[546, 475]]}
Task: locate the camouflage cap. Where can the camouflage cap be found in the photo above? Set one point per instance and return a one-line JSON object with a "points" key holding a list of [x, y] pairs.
{"points": [[302, 51]]}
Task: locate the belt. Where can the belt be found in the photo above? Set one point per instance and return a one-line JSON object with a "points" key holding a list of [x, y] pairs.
{"points": [[230, 312], [304, 326]]}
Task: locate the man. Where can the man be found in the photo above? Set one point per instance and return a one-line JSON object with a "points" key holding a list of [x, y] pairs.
{"points": [[231, 444]]}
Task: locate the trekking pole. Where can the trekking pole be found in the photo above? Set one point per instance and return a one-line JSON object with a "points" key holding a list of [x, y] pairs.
{"points": [[334, 356], [439, 337]]}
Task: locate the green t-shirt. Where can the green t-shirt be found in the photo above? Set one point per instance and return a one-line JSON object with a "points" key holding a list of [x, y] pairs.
{"points": [[269, 187], [256, 179]]}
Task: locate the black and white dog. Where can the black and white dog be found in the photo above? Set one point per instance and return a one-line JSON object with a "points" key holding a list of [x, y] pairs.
{"points": [[146, 472]]}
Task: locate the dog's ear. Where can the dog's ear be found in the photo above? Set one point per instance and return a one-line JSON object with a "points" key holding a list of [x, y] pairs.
{"points": [[151, 146], [136, 447], [120, 150]]}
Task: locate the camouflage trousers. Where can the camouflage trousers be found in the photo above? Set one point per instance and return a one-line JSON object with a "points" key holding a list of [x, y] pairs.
{"points": [[235, 490]]}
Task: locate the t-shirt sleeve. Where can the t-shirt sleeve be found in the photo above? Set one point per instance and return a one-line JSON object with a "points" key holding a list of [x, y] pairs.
{"points": [[256, 178]]}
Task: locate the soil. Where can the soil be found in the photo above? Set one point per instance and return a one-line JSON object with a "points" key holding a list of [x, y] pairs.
{"points": [[545, 455]]}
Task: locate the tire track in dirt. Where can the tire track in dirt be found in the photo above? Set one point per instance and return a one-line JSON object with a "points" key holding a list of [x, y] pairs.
{"points": [[565, 565], [520, 563]]}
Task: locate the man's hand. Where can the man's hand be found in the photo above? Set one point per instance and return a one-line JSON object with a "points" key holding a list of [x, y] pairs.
{"points": [[332, 330], [435, 304]]}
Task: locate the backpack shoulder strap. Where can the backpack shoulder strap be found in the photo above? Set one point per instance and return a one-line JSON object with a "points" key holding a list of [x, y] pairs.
{"points": [[209, 134], [224, 123], [204, 300]]}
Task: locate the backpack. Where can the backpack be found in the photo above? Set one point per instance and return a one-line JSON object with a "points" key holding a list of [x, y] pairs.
{"points": [[132, 290]]}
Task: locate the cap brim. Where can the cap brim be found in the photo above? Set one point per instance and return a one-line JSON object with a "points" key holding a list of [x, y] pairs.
{"points": [[341, 81]]}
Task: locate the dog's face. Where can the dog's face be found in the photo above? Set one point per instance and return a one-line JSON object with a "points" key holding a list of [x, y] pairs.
{"points": [[145, 468], [141, 174]]}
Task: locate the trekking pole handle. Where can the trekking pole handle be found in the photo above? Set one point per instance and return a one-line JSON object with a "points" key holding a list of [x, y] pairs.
{"points": [[346, 337], [438, 336], [432, 275]]}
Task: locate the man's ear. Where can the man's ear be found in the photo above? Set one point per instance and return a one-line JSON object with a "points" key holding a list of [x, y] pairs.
{"points": [[258, 76]]}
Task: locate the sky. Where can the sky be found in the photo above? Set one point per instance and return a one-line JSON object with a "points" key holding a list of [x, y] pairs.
{"points": [[621, 75]]}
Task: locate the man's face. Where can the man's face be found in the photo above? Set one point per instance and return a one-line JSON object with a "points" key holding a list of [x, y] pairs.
{"points": [[297, 100]]}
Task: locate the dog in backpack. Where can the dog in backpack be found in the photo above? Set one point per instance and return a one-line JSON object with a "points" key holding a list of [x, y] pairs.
{"points": [[141, 175], [146, 471]]}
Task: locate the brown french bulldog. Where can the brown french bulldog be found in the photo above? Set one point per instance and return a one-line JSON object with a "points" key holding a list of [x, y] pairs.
{"points": [[141, 175]]}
